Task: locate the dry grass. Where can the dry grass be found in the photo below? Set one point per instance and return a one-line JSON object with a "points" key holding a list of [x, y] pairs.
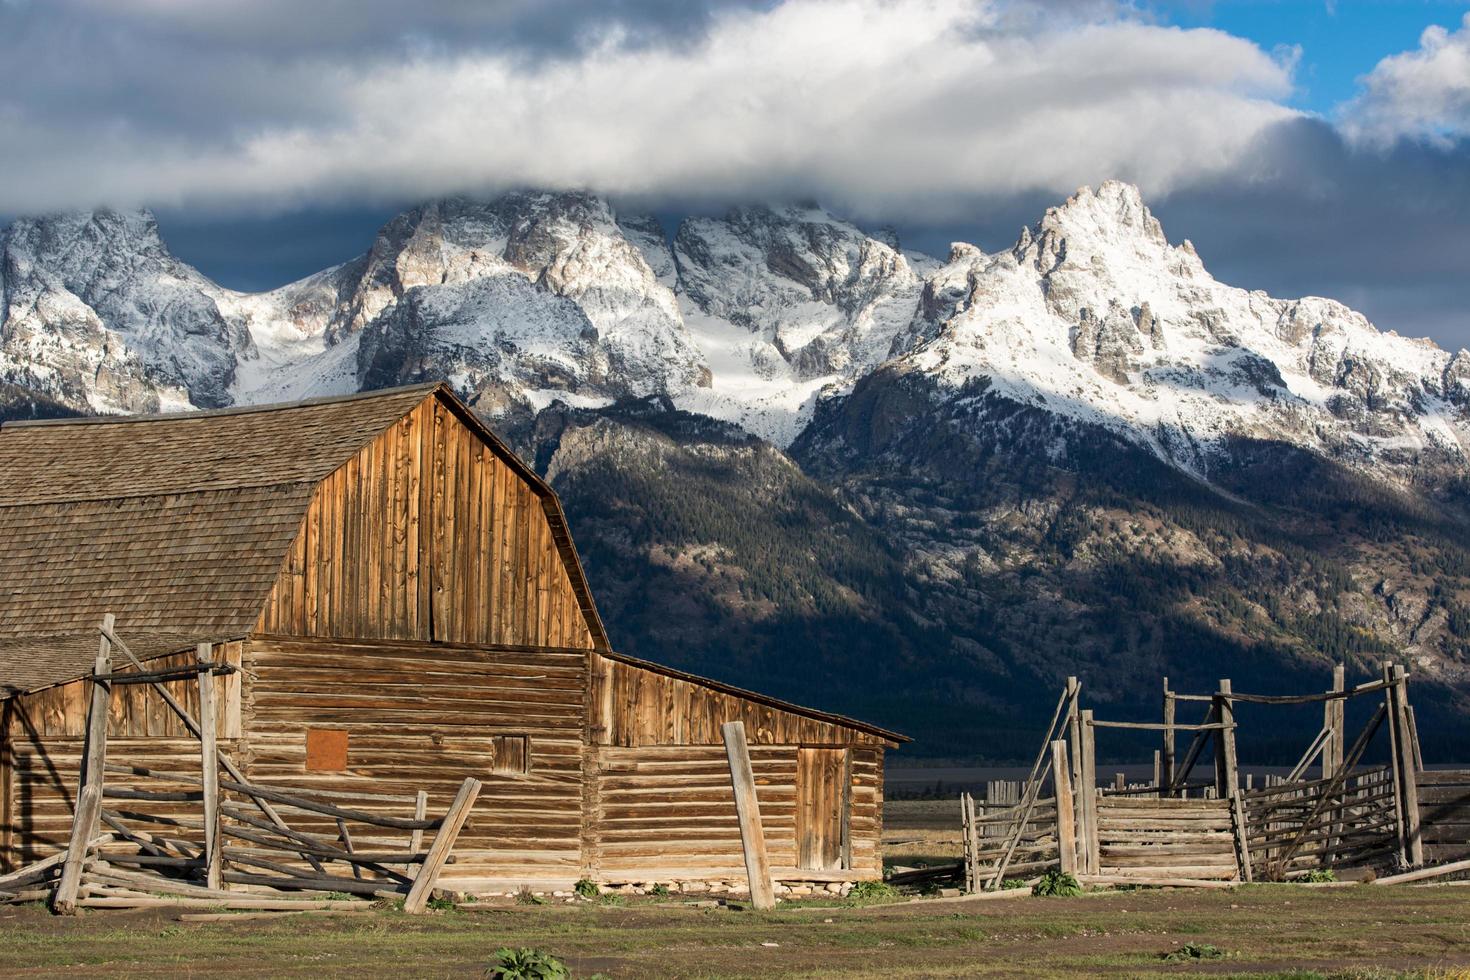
{"points": [[1263, 930]]}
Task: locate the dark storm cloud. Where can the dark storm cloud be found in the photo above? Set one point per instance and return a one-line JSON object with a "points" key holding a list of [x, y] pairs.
{"points": [[305, 123], [1385, 230]]}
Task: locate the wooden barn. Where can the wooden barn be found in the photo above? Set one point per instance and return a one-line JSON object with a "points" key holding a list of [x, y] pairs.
{"points": [[404, 606]]}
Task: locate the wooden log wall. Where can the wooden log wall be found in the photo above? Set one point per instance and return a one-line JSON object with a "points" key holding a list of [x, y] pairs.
{"points": [[425, 718], [426, 534], [634, 705], [41, 763], [1444, 809], [1165, 838], [667, 813]]}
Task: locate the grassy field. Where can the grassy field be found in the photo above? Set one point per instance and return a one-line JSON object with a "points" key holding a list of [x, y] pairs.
{"points": [[1274, 930]]}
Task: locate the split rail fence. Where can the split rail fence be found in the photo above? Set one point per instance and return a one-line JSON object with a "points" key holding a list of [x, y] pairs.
{"points": [[1221, 828], [210, 838]]}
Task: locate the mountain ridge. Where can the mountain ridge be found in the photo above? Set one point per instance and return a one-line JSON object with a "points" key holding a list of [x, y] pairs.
{"points": [[921, 490]]}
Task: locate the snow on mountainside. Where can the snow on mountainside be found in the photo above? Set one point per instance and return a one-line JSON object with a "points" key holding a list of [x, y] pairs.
{"points": [[788, 303], [1093, 315], [99, 315], [751, 318]]}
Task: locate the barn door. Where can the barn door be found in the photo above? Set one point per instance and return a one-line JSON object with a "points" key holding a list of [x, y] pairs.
{"points": [[821, 800]]}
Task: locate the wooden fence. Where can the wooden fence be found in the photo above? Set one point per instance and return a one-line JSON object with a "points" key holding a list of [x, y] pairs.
{"points": [[1304, 824], [1444, 809], [1165, 838]]}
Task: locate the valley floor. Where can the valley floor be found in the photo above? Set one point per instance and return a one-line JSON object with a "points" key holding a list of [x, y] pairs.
{"points": [[1273, 930]]}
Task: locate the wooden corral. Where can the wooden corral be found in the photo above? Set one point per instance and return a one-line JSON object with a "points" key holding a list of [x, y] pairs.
{"points": [[404, 607], [1400, 820]]}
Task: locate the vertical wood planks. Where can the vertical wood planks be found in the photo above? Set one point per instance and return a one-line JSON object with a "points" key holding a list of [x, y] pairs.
{"points": [[427, 534]]}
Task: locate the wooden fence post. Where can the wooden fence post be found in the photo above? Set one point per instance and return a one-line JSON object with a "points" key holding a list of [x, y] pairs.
{"points": [[209, 763], [1242, 838], [1227, 776], [444, 838], [1087, 792], [747, 810], [1074, 731], [967, 831], [1167, 775], [1333, 716], [1395, 760], [1066, 825], [1407, 770], [94, 763]]}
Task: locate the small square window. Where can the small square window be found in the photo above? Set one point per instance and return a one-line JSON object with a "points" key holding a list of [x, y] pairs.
{"points": [[326, 750], [511, 754]]}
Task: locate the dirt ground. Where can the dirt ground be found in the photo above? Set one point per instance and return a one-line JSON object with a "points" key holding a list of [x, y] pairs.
{"points": [[1271, 930]]}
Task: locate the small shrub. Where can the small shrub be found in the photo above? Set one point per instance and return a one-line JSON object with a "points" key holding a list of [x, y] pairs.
{"points": [[526, 964], [1319, 875], [1011, 883], [527, 897], [1194, 951], [1056, 884], [611, 898], [586, 888], [872, 891], [442, 905], [659, 890]]}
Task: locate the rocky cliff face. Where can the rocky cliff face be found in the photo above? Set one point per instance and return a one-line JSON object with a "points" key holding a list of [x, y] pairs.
{"points": [[99, 315], [856, 469]]}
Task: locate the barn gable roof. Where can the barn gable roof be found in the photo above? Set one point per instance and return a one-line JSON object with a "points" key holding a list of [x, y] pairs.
{"points": [[178, 524]]}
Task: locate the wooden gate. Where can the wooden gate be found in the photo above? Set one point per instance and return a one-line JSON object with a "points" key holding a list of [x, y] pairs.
{"points": [[821, 804], [1165, 838]]}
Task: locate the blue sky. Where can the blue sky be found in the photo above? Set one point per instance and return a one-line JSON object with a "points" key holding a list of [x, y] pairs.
{"points": [[1339, 42], [1304, 148]]}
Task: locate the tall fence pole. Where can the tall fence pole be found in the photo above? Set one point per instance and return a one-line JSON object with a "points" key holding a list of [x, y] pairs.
{"points": [[1167, 752], [1407, 769], [747, 811], [94, 763], [1087, 793], [209, 769], [1066, 825], [1228, 776]]}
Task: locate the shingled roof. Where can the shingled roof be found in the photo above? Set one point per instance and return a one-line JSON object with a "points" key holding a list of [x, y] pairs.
{"points": [[178, 524]]}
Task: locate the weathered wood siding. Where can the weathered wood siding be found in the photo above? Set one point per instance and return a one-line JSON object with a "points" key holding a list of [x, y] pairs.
{"points": [[421, 717], [1444, 813], [660, 803], [667, 813], [40, 760], [634, 705], [427, 534]]}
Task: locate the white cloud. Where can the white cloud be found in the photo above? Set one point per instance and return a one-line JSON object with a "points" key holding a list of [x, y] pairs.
{"points": [[901, 108], [1420, 94]]}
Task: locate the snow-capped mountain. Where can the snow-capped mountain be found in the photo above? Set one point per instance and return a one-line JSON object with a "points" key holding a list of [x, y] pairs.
{"points": [[1094, 316], [855, 468], [752, 318]]}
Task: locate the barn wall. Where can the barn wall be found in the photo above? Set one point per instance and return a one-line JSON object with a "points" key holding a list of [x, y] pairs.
{"points": [[667, 813], [426, 534], [422, 717], [633, 705], [44, 734], [660, 802]]}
